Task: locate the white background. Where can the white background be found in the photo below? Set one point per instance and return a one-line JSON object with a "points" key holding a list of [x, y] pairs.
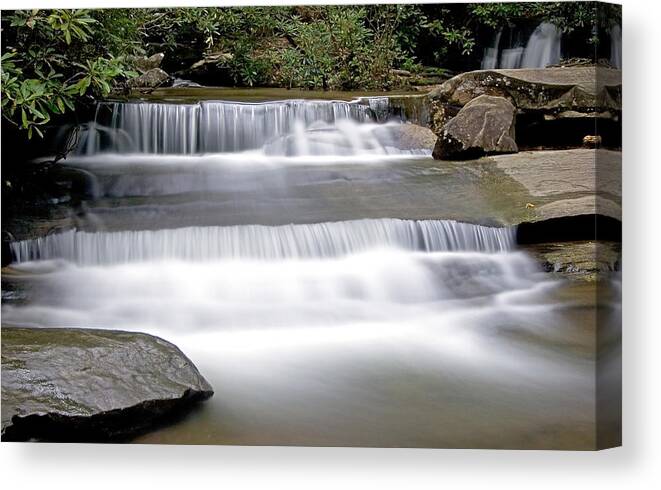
{"points": [[636, 465]]}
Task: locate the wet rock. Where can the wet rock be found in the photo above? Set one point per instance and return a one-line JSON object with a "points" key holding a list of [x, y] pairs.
{"points": [[91, 385], [151, 79], [484, 126], [592, 141]]}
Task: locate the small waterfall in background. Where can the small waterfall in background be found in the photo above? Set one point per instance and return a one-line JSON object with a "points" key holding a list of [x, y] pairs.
{"points": [[490, 59], [616, 46], [543, 48]]}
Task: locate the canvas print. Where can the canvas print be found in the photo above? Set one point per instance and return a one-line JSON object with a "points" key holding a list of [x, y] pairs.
{"points": [[315, 225]]}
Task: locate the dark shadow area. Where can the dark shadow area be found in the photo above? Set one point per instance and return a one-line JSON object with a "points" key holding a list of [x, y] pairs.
{"points": [[571, 228], [533, 131]]}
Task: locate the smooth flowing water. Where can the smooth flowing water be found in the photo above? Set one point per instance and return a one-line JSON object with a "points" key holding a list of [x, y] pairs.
{"points": [[321, 313]]}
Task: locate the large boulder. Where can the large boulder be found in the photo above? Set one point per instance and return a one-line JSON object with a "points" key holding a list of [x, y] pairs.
{"points": [[554, 92], [151, 79], [484, 126], [91, 385]]}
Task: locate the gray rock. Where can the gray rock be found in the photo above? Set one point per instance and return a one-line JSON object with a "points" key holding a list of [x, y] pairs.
{"points": [[91, 385], [151, 79], [413, 137], [484, 126], [143, 63]]}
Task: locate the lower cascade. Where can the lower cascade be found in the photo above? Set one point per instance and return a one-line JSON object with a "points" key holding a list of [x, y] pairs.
{"points": [[322, 240]]}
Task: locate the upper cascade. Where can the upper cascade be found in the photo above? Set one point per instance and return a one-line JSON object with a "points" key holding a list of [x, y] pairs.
{"points": [[296, 241], [287, 128], [541, 49]]}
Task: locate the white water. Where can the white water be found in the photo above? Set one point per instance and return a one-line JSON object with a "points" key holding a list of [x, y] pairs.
{"points": [[178, 298], [542, 49]]}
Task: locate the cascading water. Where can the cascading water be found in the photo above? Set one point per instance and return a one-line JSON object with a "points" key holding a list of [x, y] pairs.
{"points": [[323, 327], [288, 128], [543, 48], [323, 240]]}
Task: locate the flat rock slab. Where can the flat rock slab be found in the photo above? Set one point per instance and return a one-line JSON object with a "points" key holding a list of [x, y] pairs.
{"points": [[91, 385], [568, 182], [580, 88], [589, 78]]}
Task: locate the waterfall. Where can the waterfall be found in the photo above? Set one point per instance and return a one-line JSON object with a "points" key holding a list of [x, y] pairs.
{"points": [[616, 46], [490, 59], [542, 49], [321, 240], [213, 126]]}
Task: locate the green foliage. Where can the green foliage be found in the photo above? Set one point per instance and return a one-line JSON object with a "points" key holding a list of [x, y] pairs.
{"points": [[567, 16], [74, 24], [55, 59], [56, 66]]}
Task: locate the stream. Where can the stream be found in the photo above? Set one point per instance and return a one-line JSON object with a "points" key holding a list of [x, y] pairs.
{"points": [[320, 277]]}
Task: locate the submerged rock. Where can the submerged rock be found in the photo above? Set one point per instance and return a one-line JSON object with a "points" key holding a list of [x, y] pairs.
{"points": [[586, 260], [91, 385], [484, 126], [413, 137]]}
